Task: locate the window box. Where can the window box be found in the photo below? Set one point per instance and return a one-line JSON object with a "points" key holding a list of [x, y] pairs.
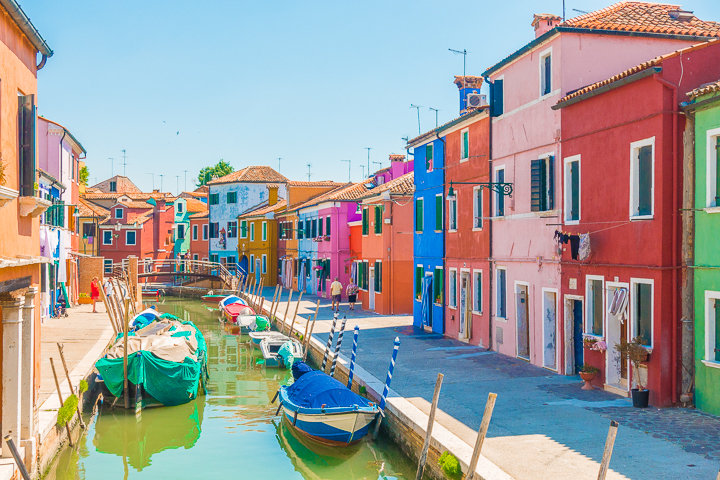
{"points": [[326, 238], [7, 195], [317, 239], [33, 206]]}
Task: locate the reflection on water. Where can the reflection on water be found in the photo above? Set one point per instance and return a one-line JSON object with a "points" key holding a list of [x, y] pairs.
{"points": [[230, 433]]}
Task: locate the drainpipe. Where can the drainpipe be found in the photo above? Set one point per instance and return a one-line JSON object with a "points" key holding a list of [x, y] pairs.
{"points": [[490, 224], [675, 209]]}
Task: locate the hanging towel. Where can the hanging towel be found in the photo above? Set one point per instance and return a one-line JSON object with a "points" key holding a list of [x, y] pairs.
{"points": [[62, 257], [619, 303], [584, 252], [574, 246]]}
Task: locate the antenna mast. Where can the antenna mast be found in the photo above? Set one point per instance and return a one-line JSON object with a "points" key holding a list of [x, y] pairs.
{"points": [[436, 110], [368, 149], [418, 112], [309, 174], [279, 164], [349, 164], [124, 162]]}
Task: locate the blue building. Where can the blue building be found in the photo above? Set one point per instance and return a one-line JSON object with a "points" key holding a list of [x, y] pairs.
{"points": [[429, 236]]}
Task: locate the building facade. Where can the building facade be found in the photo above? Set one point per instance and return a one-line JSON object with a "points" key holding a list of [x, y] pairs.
{"points": [[258, 244], [199, 236]]}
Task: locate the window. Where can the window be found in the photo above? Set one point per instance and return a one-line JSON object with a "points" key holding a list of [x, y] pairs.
{"points": [[712, 326], [497, 94], [713, 168], [594, 305], [264, 231], [301, 231], [232, 230], [363, 277], [321, 224], [438, 213], [26, 140], [231, 197], [419, 273], [542, 184], [214, 258], [194, 232], [465, 144], [452, 214], [499, 197], [501, 309], [205, 231], [378, 219], [214, 230], [179, 207], [378, 277], [252, 232], [113, 187], [327, 225], [419, 212], [365, 222], [243, 229], [313, 228], [545, 73], [107, 237], [477, 207], [438, 286], [214, 198], [429, 157], [642, 311], [196, 257], [108, 266], [572, 189], [281, 229], [452, 288], [118, 213], [308, 231], [642, 178], [130, 237], [181, 232], [252, 263], [477, 291], [264, 263], [88, 230]]}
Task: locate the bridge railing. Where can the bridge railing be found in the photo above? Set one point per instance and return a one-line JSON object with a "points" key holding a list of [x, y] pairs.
{"points": [[180, 266]]}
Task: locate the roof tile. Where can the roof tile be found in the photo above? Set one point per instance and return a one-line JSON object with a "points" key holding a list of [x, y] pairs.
{"points": [[252, 174], [704, 90]]}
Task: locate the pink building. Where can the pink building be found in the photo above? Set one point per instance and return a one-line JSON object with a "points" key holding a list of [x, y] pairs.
{"points": [[526, 150]]}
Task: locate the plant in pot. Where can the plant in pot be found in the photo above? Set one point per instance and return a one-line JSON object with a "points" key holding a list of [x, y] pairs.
{"points": [[635, 352], [588, 373]]}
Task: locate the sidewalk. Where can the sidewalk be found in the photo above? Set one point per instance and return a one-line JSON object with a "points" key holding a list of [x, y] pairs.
{"points": [[544, 426]]}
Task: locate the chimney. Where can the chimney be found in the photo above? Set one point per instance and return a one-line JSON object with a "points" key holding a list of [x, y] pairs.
{"points": [[273, 194], [468, 85], [544, 22], [396, 158]]}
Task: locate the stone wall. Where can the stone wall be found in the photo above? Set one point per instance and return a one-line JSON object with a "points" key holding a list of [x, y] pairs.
{"points": [[89, 267]]}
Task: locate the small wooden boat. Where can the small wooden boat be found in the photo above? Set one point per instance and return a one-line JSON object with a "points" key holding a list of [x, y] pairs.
{"points": [[234, 310], [258, 337], [323, 409], [212, 298], [152, 293], [280, 351]]}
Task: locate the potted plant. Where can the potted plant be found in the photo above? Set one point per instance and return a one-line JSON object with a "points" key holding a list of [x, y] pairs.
{"points": [[635, 352], [588, 373], [84, 299]]}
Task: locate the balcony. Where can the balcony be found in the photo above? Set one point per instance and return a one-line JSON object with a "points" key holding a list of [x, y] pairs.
{"points": [[7, 195], [33, 206]]}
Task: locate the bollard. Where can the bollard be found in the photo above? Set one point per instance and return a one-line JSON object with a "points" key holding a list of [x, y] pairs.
{"points": [[329, 342], [484, 424], [272, 305], [126, 390], [356, 333], [287, 309], [607, 453], [337, 346], [428, 432]]}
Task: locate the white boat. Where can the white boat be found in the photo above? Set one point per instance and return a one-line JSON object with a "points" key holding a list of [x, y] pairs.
{"points": [[271, 346]]}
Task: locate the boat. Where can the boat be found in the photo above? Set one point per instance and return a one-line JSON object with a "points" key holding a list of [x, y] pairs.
{"points": [[230, 299], [212, 298], [232, 311], [280, 351], [258, 337], [152, 293], [167, 361], [319, 407]]}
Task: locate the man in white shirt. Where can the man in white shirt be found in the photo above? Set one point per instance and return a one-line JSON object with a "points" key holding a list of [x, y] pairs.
{"points": [[336, 292]]}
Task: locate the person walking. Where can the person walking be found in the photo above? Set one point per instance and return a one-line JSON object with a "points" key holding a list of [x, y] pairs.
{"points": [[336, 292], [94, 292], [352, 291]]}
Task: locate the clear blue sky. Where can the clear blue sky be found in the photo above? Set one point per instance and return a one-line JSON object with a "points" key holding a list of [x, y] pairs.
{"points": [[182, 84]]}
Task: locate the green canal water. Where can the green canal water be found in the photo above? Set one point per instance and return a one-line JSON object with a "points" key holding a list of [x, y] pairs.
{"points": [[232, 432]]}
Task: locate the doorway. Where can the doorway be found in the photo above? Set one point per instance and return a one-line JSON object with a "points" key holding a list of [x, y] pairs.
{"points": [[464, 332], [573, 344], [426, 300], [371, 289], [523, 323], [549, 329], [616, 326]]}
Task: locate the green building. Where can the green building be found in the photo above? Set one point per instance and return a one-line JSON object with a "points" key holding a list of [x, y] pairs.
{"points": [[705, 103]]}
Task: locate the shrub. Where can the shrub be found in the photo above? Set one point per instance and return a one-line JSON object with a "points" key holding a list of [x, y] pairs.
{"points": [[66, 412], [83, 386], [586, 368], [450, 465]]}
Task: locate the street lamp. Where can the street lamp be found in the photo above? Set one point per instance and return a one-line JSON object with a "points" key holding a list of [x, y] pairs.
{"points": [[498, 187]]}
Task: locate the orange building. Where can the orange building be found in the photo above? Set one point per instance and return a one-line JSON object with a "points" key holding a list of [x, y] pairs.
{"points": [[20, 209], [199, 236]]}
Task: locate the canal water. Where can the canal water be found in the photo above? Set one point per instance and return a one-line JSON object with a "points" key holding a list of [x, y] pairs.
{"points": [[232, 432]]}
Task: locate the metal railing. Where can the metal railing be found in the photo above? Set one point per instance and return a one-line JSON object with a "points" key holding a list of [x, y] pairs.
{"points": [[185, 270]]}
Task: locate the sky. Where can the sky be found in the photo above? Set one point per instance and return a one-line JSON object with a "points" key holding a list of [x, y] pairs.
{"points": [[181, 84]]}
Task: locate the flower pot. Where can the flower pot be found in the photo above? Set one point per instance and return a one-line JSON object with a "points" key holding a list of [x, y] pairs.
{"points": [[640, 398], [588, 377], [84, 300]]}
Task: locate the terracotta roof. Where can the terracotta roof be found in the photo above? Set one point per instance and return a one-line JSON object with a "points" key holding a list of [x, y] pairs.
{"points": [[200, 215], [252, 174], [657, 61], [132, 217], [444, 126], [195, 205], [322, 183], [704, 90], [262, 211], [468, 81], [135, 205], [347, 193], [544, 16], [88, 209], [404, 185], [134, 196]]}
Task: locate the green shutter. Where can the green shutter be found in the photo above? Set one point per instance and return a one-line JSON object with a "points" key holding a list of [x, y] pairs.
{"points": [[428, 156], [500, 178], [466, 144], [378, 219], [378, 276], [575, 190], [26, 149], [438, 212], [645, 181], [320, 227], [643, 313], [536, 186], [717, 171], [327, 225], [550, 183], [365, 228], [716, 306], [418, 281]]}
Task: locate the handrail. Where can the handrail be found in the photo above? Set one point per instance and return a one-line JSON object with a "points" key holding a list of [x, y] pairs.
{"points": [[179, 266]]}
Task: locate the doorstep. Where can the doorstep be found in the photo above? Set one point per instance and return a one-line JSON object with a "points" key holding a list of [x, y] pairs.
{"points": [[616, 390]]}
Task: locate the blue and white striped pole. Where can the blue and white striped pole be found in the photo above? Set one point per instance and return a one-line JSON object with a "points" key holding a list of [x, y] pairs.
{"points": [[329, 342], [383, 399], [352, 358], [337, 347]]}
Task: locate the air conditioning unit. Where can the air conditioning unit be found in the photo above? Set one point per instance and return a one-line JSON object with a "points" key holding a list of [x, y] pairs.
{"points": [[475, 100]]}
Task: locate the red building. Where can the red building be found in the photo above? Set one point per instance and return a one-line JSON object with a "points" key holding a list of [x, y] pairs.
{"points": [[622, 170], [199, 236]]}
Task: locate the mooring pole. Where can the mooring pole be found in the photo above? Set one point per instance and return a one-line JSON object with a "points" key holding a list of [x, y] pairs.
{"points": [[67, 375], [337, 346], [287, 309], [484, 424], [126, 390], [356, 333], [272, 305], [297, 305], [428, 432], [16, 456], [60, 397], [386, 389], [273, 314], [329, 342], [607, 453]]}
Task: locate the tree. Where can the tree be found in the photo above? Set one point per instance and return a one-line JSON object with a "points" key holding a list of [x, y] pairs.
{"points": [[208, 173], [84, 175]]}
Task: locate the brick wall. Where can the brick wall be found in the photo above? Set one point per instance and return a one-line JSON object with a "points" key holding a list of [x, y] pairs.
{"points": [[89, 267]]}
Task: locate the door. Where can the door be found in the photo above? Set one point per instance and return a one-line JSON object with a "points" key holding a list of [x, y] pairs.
{"points": [[523, 327], [577, 312], [258, 269], [426, 300], [464, 304], [371, 289], [616, 327], [550, 329], [243, 265]]}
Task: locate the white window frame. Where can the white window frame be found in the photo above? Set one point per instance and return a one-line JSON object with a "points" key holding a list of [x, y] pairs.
{"points": [[498, 269], [477, 193], [541, 65], [452, 292], [633, 283], [127, 233], [709, 358], [105, 242], [107, 265], [711, 166], [263, 231], [567, 193], [634, 182], [195, 232], [495, 212], [477, 298], [452, 214], [252, 231], [587, 328], [206, 229], [264, 263], [464, 155], [252, 263], [119, 213]]}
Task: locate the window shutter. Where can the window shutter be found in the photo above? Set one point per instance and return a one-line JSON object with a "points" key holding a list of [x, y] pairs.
{"points": [[438, 212], [496, 97], [419, 215], [645, 181], [307, 229], [365, 221], [575, 190], [536, 193], [478, 208], [320, 227], [327, 225], [548, 75], [466, 145], [26, 127], [418, 280], [428, 156], [378, 276], [500, 178], [717, 171], [378, 219], [716, 357], [550, 182]]}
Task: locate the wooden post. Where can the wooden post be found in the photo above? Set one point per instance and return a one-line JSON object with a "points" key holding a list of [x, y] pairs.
{"points": [[307, 324], [126, 390], [484, 424], [62, 402], [272, 305], [297, 305], [67, 375], [259, 291], [109, 311], [273, 317], [607, 453], [287, 309], [260, 309], [428, 432]]}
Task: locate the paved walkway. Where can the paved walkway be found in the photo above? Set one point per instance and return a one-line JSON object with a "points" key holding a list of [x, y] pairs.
{"points": [[544, 426]]}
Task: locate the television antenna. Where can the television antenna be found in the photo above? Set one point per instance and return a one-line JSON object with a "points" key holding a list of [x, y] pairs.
{"points": [[309, 174], [124, 162], [185, 179], [279, 164], [462, 52], [436, 110], [368, 149], [378, 163], [153, 179], [418, 113], [349, 165], [161, 177]]}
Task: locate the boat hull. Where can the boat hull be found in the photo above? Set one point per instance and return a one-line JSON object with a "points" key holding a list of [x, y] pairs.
{"points": [[338, 429]]}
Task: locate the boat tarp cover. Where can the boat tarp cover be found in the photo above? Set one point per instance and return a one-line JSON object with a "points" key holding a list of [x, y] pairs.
{"points": [[235, 309], [170, 383], [315, 389], [261, 324], [286, 352], [144, 318]]}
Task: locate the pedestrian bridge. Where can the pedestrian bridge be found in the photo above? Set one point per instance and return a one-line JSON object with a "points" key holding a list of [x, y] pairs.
{"points": [[180, 271]]}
